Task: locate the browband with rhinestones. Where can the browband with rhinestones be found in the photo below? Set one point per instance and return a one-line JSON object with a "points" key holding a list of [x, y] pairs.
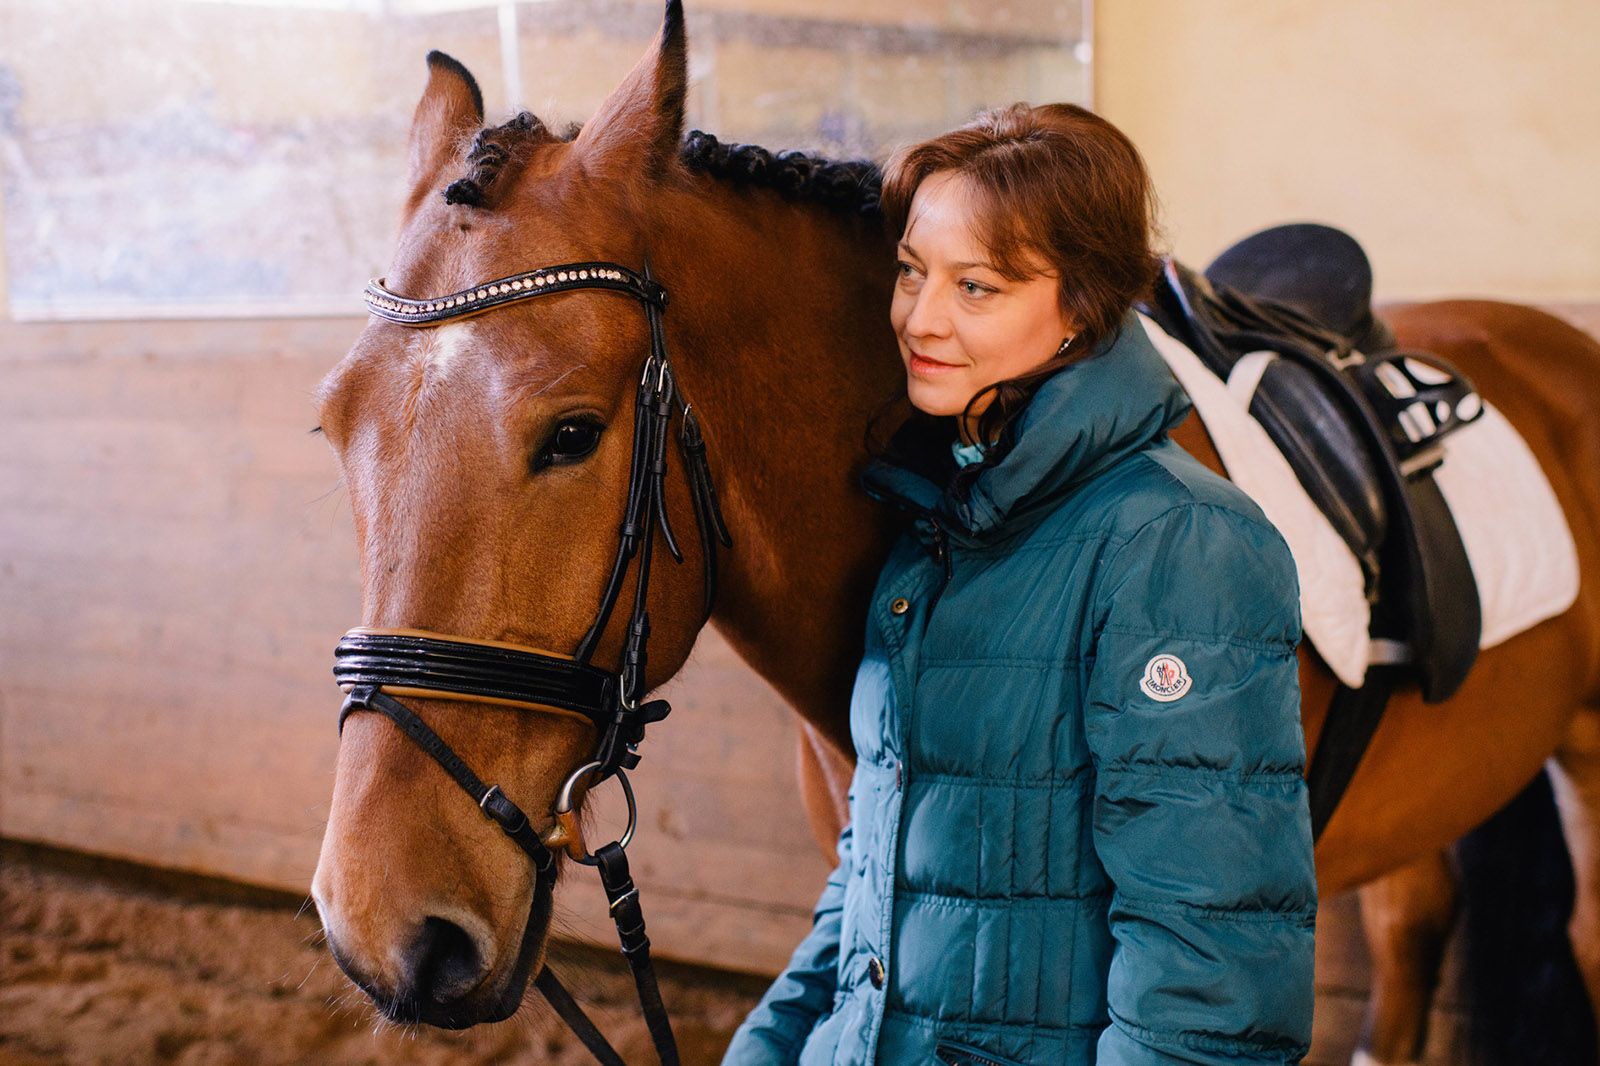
{"points": [[602, 275]]}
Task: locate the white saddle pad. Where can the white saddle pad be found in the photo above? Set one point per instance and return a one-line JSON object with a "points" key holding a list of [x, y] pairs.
{"points": [[1517, 539]]}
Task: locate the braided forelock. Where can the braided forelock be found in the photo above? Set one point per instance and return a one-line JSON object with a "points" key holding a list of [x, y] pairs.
{"points": [[496, 153]]}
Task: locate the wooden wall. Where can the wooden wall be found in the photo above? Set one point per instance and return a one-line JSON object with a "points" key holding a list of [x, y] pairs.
{"points": [[176, 563]]}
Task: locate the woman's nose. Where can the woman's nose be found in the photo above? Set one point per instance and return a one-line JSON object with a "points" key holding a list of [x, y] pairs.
{"points": [[928, 317]]}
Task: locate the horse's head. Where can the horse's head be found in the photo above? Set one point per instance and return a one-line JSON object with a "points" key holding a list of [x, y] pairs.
{"points": [[488, 461]]}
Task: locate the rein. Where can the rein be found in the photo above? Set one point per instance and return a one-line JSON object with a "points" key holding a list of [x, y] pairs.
{"points": [[375, 665]]}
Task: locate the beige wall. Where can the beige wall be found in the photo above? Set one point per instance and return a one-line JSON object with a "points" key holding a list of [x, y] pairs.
{"points": [[1458, 139]]}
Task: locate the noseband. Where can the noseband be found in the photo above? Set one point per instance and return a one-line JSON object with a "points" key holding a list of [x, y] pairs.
{"points": [[376, 665]]}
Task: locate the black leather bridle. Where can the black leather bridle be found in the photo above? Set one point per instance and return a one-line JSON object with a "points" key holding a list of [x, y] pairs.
{"points": [[375, 665]]}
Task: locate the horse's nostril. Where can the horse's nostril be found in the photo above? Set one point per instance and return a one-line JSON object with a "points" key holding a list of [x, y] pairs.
{"points": [[444, 963]]}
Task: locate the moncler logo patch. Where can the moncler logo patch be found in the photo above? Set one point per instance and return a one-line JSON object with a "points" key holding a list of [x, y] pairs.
{"points": [[1165, 678]]}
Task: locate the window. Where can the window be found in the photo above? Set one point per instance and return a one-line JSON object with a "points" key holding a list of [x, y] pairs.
{"points": [[199, 157]]}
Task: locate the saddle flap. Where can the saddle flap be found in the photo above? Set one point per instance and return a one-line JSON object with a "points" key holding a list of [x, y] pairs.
{"points": [[1328, 457]]}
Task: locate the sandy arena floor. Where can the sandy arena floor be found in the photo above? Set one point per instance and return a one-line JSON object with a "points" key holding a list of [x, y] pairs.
{"points": [[107, 964]]}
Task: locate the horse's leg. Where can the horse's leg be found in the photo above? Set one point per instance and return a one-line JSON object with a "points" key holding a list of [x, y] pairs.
{"points": [[824, 786], [1575, 779], [1406, 916]]}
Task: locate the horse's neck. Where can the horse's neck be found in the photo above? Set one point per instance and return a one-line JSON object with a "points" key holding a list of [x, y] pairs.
{"points": [[787, 351]]}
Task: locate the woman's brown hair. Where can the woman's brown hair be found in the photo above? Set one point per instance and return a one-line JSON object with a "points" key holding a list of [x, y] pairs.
{"points": [[1056, 185]]}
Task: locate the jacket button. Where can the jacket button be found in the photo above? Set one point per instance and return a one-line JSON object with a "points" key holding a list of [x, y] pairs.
{"points": [[899, 605], [875, 972]]}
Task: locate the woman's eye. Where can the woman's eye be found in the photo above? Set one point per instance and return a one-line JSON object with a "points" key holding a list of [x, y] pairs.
{"points": [[972, 288], [570, 441], [904, 268]]}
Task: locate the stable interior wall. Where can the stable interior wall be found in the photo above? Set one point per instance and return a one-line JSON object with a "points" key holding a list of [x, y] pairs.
{"points": [[1459, 141], [176, 563]]}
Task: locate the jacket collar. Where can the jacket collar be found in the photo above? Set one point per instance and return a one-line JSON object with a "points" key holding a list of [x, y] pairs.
{"points": [[1113, 402]]}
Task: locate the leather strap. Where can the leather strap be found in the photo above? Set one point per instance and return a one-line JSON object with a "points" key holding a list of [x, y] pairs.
{"points": [[430, 311], [472, 669], [629, 918], [1353, 718], [707, 511], [585, 1030], [490, 799], [621, 892]]}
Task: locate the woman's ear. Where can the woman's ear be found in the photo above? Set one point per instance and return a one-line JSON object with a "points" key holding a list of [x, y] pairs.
{"points": [[1071, 323]]}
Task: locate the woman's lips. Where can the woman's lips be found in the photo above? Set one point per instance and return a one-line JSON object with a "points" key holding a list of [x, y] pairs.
{"points": [[921, 364]]}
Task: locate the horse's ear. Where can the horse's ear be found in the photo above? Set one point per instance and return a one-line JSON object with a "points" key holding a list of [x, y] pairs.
{"points": [[638, 126], [450, 111]]}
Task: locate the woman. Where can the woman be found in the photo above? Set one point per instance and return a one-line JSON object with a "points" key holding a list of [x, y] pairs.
{"points": [[1079, 828]]}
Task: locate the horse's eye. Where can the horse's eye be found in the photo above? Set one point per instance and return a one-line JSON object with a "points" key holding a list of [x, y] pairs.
{"points": [[570, 441]]}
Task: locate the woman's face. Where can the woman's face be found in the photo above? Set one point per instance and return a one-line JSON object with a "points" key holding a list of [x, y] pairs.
{"points": [[960, 324]]}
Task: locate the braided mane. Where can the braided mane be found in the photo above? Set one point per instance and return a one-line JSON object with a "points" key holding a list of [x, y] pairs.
{"points": [[845, 185], [848, 185]]}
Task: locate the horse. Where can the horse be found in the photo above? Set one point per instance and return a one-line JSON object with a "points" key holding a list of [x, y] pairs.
{"points": [[780, 277]]}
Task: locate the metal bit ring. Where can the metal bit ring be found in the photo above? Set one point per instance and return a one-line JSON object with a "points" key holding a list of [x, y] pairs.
{"points": [[567, 818]]}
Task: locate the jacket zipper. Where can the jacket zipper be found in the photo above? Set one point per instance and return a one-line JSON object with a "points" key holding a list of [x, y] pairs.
{"points": [[941, 550], [961, 1055]]}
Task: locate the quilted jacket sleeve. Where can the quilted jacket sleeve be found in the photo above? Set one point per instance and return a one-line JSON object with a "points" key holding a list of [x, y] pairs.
{"points": [[777, 1027], [1200, 810]]}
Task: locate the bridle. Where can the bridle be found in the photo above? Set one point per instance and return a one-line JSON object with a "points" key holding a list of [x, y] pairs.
{"points": [[376, 665]]}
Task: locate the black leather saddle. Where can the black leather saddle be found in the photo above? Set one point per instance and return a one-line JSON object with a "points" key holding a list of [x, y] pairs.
{"points": [[1285, 316]]}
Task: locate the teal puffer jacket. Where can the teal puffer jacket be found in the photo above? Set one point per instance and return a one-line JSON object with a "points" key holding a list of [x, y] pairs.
{"points": [[1079, 829]]}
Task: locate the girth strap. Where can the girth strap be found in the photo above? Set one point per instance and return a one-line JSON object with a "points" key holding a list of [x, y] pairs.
{"points": [[1352, 719]]}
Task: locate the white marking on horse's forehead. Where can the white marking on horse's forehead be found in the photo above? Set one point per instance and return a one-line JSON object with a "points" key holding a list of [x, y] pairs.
{"points": [[441, 345]]}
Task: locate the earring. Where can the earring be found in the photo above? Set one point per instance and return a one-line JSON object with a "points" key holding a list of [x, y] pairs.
{"points": [[1064, 344]]}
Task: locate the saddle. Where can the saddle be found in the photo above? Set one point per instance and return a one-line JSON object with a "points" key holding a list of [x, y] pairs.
{"points": [[1285, 318]]}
